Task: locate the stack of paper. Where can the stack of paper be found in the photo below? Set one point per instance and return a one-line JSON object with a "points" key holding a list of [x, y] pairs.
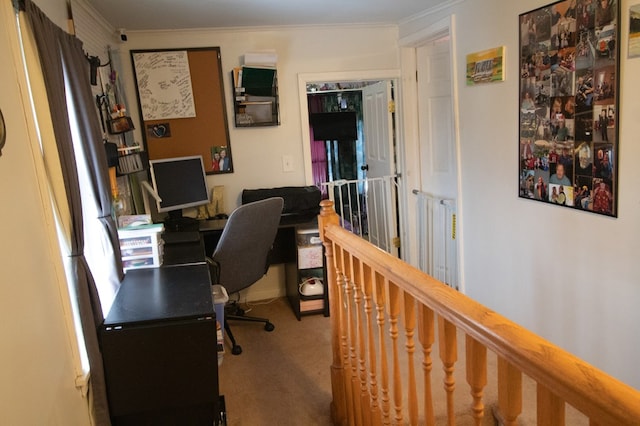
{"points": [[265, 58]]}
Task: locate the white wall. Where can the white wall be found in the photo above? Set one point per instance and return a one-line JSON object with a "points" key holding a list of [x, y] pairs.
{"points": [[257, 152], [37, 374], [569, 276]]}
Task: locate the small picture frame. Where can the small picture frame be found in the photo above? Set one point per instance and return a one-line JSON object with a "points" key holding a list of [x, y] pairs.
{"points": [[221, 159], [486, 66]]}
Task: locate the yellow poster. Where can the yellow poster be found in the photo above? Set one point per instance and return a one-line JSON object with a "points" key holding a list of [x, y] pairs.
{"points": [[486, 66]]}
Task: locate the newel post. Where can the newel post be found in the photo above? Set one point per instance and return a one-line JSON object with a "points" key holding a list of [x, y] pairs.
{"points": [[328, 217]]}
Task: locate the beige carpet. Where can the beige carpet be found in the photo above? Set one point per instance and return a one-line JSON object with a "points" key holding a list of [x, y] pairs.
{"points": [[283, 377]]}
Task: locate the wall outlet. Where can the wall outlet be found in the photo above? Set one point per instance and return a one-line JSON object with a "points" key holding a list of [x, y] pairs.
{"points": [[287, 163]]}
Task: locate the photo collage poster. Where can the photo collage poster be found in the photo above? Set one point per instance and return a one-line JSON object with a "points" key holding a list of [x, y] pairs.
{"points": [[569, 61]]}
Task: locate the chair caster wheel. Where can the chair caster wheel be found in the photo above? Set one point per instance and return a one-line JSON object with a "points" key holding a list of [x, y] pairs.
{"points": [[236, 350], [269, 327]]}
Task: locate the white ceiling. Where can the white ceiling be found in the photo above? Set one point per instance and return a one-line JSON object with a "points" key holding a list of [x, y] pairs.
{"points": [[184, 14]]}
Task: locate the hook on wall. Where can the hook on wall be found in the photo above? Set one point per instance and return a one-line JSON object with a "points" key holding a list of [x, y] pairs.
{"points": [[94, 64]]}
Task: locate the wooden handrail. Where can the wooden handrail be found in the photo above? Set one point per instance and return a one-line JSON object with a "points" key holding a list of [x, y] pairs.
{"points": [[559, 374]]}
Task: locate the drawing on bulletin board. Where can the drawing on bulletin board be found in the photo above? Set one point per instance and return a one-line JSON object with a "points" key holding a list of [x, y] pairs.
{"points": [[164, 84]]}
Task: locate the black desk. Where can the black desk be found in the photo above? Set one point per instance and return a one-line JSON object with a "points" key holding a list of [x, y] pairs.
{"points": [[284, 246], [284, 251], [159, 347]]}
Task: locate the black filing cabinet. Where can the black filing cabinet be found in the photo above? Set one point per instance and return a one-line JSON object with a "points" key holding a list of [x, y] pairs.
{"points": [[159, 348]]}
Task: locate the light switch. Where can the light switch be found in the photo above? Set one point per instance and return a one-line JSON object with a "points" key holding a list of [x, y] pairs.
{"points": [[287, 163]]}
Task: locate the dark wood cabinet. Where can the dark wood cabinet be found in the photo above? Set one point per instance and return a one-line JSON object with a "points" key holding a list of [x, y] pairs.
{"points": [[159, 346], [305, 273]]}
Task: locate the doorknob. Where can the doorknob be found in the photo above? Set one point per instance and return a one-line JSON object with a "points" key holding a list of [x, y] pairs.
{"points": [[364, 167]]}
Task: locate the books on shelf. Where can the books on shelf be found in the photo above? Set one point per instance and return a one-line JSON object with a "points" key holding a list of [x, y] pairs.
{"points": [[254, 81], [258, 81]]}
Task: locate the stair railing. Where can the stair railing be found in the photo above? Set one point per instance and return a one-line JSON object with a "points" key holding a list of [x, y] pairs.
{"points": [[387, 318]]}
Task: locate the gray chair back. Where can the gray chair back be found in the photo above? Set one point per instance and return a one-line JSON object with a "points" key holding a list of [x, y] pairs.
{"points": [[241, 256]]}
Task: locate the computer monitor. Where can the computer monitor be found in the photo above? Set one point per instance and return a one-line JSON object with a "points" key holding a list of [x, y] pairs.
{"points": [[180, 183]]}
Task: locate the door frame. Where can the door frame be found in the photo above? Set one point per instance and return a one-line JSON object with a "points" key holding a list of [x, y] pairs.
{"points": [[331, 77], [408, 63], [345, 76]]}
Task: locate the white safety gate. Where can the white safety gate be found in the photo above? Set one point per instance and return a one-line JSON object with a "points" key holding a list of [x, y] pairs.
{"points": [[367, 207], [437, 247]]}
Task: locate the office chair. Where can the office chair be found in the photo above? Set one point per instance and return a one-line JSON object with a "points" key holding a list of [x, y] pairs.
{"points": [[241, 256]]}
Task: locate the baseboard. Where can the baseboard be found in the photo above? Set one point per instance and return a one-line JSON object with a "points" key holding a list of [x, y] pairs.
{"points": [[270, 286]]}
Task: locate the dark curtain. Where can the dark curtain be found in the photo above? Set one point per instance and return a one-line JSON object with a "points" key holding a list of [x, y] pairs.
{"points": [[61, 54]]}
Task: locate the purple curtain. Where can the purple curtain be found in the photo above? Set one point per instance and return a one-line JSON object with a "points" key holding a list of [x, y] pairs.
{"points": [[319, 164]]}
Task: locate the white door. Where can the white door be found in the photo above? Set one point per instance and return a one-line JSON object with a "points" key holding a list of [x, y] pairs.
{"points": [[380, 194], [439, 171], [438, 163]]}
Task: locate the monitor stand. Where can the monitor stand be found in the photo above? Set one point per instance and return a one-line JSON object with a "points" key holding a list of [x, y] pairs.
{"points": [[175, 222]]}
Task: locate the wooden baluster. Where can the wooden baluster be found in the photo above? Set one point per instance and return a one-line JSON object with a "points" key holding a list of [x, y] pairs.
{"points": [[359, 377], [550, 410], [449, 355], [509, 393], [380, 299], [344, 328], [394, 313], [349, 353], [365, 333], [426, 334], [476, 357], [344, 335], [409, 318], [328, 217], [372, 281]]}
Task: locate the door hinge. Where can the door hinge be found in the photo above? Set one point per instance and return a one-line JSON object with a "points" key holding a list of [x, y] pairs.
{"points": [[396, 242], [392, 107]]}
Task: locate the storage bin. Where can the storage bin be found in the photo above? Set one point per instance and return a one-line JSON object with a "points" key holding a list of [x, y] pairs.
{"points": [[308, 237], [141, 247], [220, 299], [309, 257]]}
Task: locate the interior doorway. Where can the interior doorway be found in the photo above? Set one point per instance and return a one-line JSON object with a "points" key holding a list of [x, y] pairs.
{"points": [[434, 201], [354, 164]]}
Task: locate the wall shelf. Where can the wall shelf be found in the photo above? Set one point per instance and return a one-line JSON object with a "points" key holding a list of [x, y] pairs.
{"points": [[255, 96]]}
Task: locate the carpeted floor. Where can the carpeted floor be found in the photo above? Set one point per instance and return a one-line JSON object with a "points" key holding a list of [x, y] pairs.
{"points": [[283, 377]]}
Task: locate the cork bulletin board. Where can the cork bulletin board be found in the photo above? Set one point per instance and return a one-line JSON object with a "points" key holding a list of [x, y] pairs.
{"points": [[182, 106]]}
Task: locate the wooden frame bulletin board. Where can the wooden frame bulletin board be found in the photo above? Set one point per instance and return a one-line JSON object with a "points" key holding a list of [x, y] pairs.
{"points": [[182, 105]]}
